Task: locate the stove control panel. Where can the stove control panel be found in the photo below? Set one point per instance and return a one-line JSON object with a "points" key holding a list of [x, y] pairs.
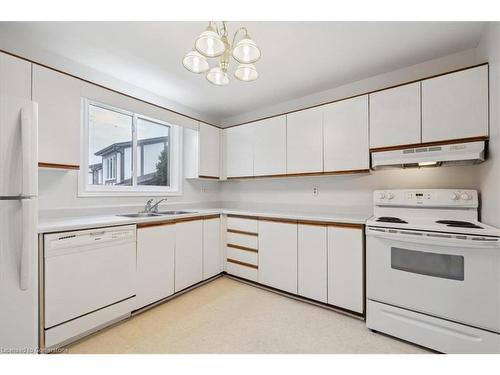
{"points": [[426, 197]]}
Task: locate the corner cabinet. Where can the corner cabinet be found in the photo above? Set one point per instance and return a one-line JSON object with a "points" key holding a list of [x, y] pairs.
{"points": [[188, 253], [212, 250], [455, 105], [209, 155], [239, 151], [59, 113], [345, 135]]}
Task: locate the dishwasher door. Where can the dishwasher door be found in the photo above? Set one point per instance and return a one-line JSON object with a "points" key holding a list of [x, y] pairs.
{"points": [[88, 270]]}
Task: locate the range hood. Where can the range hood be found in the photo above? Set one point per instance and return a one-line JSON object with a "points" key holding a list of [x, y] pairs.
{"points": [[439, 155]]}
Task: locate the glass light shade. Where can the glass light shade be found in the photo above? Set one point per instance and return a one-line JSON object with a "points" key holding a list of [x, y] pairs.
{"points": [[246, 51], [195, 62], [246, 72], [218, 77], [210, 44]]}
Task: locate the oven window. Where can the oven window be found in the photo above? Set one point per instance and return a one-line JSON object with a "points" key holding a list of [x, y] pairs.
{"points": [[430, 264]]}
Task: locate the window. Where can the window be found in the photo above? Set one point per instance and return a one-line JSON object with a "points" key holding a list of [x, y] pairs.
{"points": [[126, 153]]}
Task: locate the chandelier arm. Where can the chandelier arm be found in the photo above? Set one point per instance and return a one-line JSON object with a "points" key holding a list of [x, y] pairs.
{"points": [[242, 28]]}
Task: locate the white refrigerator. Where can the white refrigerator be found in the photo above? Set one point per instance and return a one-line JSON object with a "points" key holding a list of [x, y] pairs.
{"points": [[18, 225]]}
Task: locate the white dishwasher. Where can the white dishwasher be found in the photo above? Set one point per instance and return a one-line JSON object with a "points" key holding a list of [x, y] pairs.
{"points": [[89, 280]]}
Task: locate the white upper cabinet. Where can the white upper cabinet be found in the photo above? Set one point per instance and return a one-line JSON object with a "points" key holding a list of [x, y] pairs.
{"points": [[239, 151], [304, 141], [345, 135], [209, 153], [455, 105], [395, 116], [270, 146], [59, 116]]}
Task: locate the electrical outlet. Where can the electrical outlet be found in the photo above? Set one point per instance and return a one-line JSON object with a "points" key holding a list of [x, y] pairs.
{"points": [[203, 189], [315, 191]]}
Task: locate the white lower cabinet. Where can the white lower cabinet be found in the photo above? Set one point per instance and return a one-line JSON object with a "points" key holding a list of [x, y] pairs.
{"points": [[278, 255], [155, 263], [345, 268], [188, 253], [312, 261], [212, 255]]}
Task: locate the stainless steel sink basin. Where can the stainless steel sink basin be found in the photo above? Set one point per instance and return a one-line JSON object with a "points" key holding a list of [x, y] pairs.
{"points": [[175, 212], [140, 214]]}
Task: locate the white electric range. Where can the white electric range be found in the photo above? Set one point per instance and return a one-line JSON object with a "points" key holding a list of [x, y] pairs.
{"points": [[433, 270]]}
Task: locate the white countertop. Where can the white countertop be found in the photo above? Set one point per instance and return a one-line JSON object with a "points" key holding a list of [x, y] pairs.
{"points": [[50, 225]]}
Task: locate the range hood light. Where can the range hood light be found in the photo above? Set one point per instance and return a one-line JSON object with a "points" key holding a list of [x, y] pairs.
{"points": [[427, 163]]}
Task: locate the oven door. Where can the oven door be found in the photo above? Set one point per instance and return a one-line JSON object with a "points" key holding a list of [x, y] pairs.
{"points": [[436, 274]]}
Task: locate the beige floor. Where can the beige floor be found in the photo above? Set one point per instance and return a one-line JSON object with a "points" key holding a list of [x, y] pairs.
{"points": [[227, 316]]}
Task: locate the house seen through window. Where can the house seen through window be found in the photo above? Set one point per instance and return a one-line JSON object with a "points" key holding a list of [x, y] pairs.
{"points": [[127, 151]]}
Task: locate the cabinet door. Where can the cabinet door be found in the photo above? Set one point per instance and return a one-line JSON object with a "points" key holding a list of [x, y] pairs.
{"points": [[239, 151], [345, 268], [395, 116], [59, 116], [270, 146], [188, 253], [155, 263], [278, 255], [304, 141], [209, 163], [345, 135], [455, 105], [15, 92], [212, 250], [312, 262]]}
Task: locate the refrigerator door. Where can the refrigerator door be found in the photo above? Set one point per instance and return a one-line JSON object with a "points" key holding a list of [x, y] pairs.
{"points": [[18, 147], [18, 280]]}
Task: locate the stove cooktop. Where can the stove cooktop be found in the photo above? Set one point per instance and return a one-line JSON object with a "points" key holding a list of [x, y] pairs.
{"points": [[391, 219], [458, 224]]}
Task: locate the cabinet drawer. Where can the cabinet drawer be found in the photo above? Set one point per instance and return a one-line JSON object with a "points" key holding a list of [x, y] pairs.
{"points": [[245, 225], [243, 240], [250, 257], [244, 272]]}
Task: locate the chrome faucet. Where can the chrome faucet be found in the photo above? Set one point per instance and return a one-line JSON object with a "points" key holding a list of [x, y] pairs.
{"points": [[150, 207]]}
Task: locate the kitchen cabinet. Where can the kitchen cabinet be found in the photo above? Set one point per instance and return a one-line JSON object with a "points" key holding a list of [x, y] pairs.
{"points": [[345, 135], [188, 253], [269, 146], [155, 263], [209, 158], [395, 116], [304, 141], [455, 105], [312, 261], [212, 255], [278, 255], [59, 116], [345, 268], [239, 151]]}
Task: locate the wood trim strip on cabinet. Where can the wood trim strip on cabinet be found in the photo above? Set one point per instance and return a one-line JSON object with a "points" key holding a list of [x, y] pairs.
{"points": [[242, 232], [209, 177], [361, 94], [242, 216], [346, 225], [278, 220], [327, 173], [106, 88], [427, 144], [244, 248], [58, 166], [179, 220], [242, 263], [294, 221]]}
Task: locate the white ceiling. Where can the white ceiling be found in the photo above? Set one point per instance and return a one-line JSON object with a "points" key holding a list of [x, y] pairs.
{"points": [[298, 58]]}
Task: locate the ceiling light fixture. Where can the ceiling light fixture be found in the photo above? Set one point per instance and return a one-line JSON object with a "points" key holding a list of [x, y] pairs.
{"points": [[214, 43]]}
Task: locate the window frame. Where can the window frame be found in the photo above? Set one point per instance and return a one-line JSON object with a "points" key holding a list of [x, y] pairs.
{"points": [[85, 189]]}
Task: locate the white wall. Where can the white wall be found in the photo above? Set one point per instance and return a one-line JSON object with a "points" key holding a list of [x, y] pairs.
{"points": [[489, 171], [336, 192]]}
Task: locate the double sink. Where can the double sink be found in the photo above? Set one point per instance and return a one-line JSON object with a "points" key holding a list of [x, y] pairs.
{"points": [[159, 213]]}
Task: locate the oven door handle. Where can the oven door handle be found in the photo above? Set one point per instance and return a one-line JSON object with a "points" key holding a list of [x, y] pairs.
{"points": [[435, 239]]}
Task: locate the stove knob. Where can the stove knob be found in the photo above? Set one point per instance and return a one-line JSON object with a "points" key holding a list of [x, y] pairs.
{"points": [[465, 196], [454, 196], [390, 195], [381, 195]]}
